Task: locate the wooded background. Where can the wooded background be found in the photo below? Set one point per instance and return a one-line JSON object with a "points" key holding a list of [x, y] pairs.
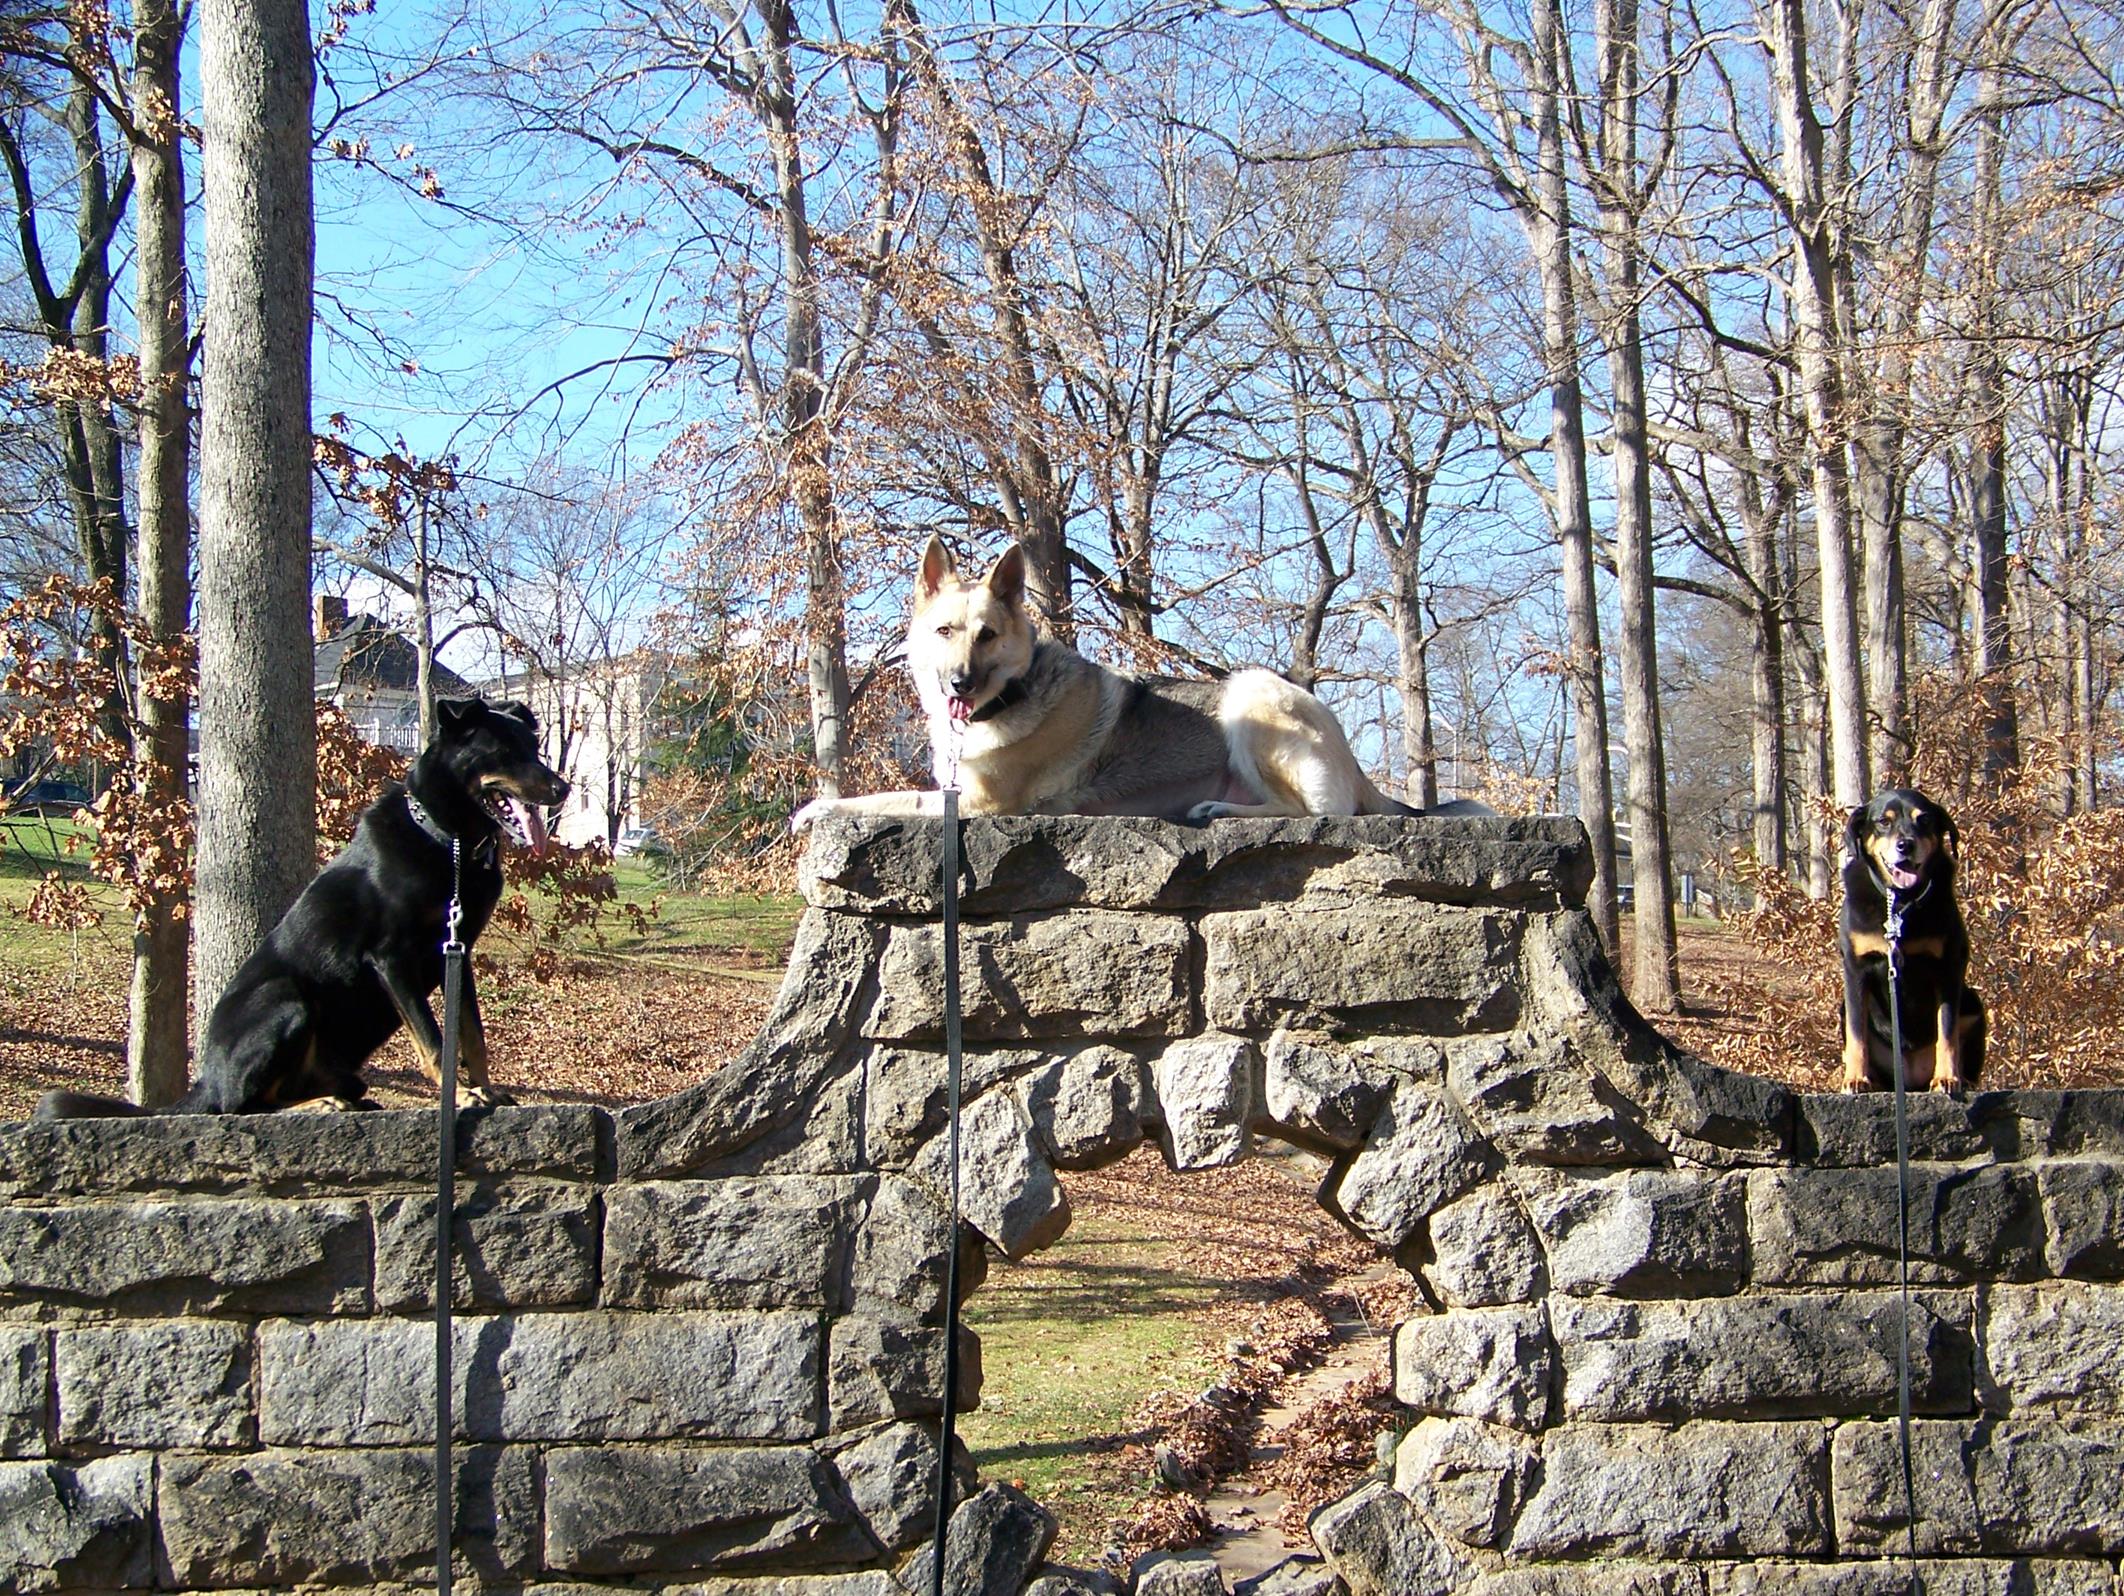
{"points": [[1647, 410]]}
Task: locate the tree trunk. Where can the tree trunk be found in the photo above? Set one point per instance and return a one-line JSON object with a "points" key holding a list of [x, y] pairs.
{"points": [[1656, 984], [1993, 630], [1766, 672], [257, 723], [1814, 326], [806, 447], [155, 1037], [1412, 662], [96, 462], [1548, 226]]}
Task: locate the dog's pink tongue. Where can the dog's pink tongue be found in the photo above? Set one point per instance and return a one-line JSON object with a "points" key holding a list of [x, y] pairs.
{"points": [[959, 708], [1904, 879], [533, 822]]}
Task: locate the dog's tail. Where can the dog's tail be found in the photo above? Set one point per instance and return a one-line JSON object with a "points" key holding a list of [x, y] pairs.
{"points": [[58, 1105], [1371, 801]]}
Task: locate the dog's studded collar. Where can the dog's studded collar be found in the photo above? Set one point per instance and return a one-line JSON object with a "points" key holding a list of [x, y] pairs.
{"points": [[434, 828], [1011, 697]]}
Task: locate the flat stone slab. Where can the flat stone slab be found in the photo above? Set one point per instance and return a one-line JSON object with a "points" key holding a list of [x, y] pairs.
{"points": [[1018, 864]]}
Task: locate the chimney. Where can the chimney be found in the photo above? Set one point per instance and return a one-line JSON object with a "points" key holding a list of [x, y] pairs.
{"points": [[331, 616]]}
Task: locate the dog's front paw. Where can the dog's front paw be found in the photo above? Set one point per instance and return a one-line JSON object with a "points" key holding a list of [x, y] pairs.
{"points": [[810, 812], [1857, 1078], [483, 1097], [1206, 811], [1952, 1085]]}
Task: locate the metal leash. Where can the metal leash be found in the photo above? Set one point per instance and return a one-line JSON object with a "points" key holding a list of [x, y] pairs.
{"points": [[453, 950], [946, 1429], [1894, 936]]}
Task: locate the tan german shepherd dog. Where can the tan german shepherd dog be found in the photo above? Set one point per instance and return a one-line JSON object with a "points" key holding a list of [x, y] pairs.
{"points": [[1025, 726]]}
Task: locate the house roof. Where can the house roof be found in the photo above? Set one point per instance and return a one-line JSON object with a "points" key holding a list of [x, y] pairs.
{"points": [[366, 653]]}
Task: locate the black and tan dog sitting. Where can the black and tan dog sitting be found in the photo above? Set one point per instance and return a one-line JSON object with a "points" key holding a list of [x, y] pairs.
{"points": [[1903, 851], [360, 952]]}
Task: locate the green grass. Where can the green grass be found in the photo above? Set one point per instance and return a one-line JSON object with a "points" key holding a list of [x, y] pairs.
{"points": [[30, 847], [1071, 1342], [760, 925]]}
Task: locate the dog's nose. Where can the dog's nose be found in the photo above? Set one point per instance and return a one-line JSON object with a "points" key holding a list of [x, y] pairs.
{"points": [[960, 682]]}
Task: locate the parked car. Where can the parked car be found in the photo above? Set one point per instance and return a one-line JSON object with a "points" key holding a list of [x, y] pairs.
{"points": [[62, 798], [637, 839]]}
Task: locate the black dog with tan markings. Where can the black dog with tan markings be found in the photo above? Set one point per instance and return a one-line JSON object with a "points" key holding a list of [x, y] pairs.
{"points": [[1903, 851], [360, 952]]}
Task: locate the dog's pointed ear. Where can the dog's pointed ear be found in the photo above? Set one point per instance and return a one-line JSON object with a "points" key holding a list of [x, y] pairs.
{"points": [[518, 712], [454, 712], [1006, 578], [936, 569]]}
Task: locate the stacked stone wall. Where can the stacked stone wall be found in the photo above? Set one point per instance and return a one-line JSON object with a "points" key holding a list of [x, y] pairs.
{"points": [[698, 1343]]}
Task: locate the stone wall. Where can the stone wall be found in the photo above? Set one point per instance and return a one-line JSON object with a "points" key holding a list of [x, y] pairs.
{"points": [[697, 1342]]}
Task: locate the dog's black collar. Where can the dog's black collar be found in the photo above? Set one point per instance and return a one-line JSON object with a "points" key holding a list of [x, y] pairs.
{"points": [[1011, 697], [483, 854]]}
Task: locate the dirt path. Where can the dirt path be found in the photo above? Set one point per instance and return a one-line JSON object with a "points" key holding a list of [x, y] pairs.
{"points": [[1246, 1505]]}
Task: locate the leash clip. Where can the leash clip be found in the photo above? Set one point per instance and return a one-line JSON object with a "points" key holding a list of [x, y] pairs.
{"points": [[454, 916]]}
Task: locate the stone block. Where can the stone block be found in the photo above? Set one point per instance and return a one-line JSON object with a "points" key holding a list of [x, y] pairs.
{"points": [[997, 1538], [1781, 1356], [1857, 1129], [25, 1379], [1380, 1546], [1699, 1490], [773, 1084], [1393, 964], [769, 1242], [2041, 1485], [545, 1377], [883, 1366], [1421, 1153], [1011, 864], [890, 1476], [902, 1249], [290, 1154], [511, 1246], [1322, 1094], [1468, 1478], [1089, 1108], [211, 1255], [2057, 1346], [1007, 1188], [1696, 1110], [1890, 1576], [175, 1383], [1480, 1363], [342, 1517], [1055, 1580], [905, 1089], [77, 1526], [1206, 1089], [1607, 1577], [1072, 973], [2083, 1217], [1484, 1252], [1837, 1227], [1294, 1576], [1178, 1574], [1642, 1233], [1539, 1102], [627, 1510]]}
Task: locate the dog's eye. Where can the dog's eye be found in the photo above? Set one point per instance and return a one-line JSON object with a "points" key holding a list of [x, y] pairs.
{"points": [[943, 631], [987, 634]]}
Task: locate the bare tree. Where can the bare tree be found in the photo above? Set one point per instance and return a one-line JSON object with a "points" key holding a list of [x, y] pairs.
{"points": [[1524, 161]]}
